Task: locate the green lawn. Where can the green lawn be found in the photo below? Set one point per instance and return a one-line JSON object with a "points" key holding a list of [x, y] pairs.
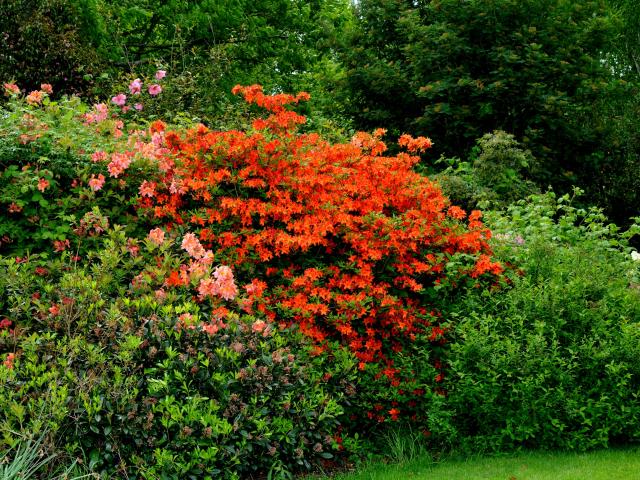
{"points": [[600, 465]]}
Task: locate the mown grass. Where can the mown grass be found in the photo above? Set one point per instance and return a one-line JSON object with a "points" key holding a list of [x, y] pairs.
{"points": [[598, 465]]}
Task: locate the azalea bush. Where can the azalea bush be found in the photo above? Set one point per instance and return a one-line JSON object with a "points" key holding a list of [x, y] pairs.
{"points": [[344, 242], [221, 303]]}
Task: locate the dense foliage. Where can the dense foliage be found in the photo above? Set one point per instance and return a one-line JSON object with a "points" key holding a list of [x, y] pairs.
{"points": [[553, 361], [535, 69], [196, 286]]}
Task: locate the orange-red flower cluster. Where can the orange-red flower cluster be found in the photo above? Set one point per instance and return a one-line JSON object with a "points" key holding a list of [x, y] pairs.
{"points": [[336, 238]]}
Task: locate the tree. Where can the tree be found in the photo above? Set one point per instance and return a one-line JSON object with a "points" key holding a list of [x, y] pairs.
{"points": [[455, 70], [52, 41]]}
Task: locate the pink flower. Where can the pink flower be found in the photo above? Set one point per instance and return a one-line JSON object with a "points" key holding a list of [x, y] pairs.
{"points": [[148, 189], [154, 89], [222, 285], [119, 99], [43, 184], [96, 183], [61, 245], [258, 326], [11, 89], [132, 247], [207, 288], [192, 245], [135, 87], [160, 74], [156, 236], [14, 208], [227, 288], [138, 106], [98, 156], [35, 97], [103, 112], [46, 88], [119, 163]]}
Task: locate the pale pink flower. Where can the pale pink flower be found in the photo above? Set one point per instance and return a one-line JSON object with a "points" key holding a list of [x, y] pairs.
{"points": [[43, 184], [96, 183], [227, 288], [222, 285], [207, 258], [197, 270], [138, 106], [160, 74], [135, 87], [207, 287], [119, 99], [192, 245], [156, 236], [103, 111], [160, 294], [46, 88], [132, 247], [155, 89], [258, 326], [119, 163]]}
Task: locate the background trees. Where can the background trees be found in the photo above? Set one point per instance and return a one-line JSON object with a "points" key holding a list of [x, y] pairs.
{"points": [[457, 70], [560, 76]]}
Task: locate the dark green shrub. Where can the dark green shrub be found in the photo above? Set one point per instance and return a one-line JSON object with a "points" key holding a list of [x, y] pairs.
{"points": [[157, 387], [496, 174]]}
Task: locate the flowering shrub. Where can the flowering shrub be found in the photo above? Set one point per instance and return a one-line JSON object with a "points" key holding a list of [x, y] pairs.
{"points": [[346, 243], [53, 156], [153, 384], [230, 242]]}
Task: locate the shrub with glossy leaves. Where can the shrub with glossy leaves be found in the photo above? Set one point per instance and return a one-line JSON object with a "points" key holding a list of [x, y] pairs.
{"points": [[157, 385]]}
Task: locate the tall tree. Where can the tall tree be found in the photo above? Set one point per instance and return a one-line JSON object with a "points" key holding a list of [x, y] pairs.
{"points": [[456, 69]]}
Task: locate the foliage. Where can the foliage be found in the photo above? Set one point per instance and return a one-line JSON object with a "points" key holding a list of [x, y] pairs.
{"points": [[52, 40], [459, 70], [496, 174], [553, 361], [153, 385], [210, 46]]}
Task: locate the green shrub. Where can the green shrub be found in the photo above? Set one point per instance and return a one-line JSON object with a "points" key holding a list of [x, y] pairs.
{"points": [[157, 387], [495, 175], [553, 361]]}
